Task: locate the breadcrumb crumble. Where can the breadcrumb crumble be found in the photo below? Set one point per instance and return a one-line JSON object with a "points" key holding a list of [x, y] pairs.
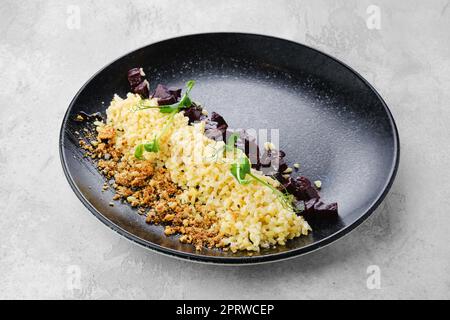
{"points": [[151, 191]]}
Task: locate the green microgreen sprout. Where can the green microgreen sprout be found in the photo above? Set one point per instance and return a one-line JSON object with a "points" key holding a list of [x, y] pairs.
{"points": [[172, 109], [241, 168]]}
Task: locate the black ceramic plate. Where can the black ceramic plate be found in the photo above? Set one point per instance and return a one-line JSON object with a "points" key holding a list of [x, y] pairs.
{"points": [[330, 119]]}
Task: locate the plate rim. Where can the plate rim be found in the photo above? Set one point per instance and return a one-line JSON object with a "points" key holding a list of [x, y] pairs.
{"points": [[248, 260]]}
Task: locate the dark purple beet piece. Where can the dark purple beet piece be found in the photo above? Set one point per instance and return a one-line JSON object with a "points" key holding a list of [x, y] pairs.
{"points": [[134, 77], [194, 113], [138, 84], [166, 101], [161, 91], [142, 89], [166, 95], [305, 190], [301, 188], [309, 206], [289, 184], [321, 207], [221, 124], [176, 92], [316, 208], [216, 127]]}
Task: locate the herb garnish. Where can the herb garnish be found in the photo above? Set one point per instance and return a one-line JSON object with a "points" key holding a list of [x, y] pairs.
{"points": [[172, 109], [185, 102], [241, 168]]}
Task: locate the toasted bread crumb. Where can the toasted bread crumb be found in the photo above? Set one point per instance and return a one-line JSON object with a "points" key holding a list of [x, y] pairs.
{"points": [[152, 192]]}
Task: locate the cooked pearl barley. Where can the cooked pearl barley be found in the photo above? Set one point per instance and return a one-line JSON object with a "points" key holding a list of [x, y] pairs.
{"points": [[250, 216]]}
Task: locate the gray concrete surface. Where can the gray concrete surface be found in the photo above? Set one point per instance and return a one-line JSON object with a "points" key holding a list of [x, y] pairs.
{"points": [[52, 247]]}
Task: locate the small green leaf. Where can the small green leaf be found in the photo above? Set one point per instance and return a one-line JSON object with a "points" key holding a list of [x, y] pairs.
{"points": [[169, 108], [242, 166], [185, 101], [152, 146], [240, 169], [139, 151], [189, 85], [237, 173], [144, 104]]}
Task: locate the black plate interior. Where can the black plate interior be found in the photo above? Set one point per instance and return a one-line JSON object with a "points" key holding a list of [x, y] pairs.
{"points": [[331, 121]]}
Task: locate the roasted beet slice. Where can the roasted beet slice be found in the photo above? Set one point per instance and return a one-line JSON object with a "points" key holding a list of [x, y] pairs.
{"points": [[165, 95], [138, 84], [194, 113], [323, 208], [216, 127], [135, 77], [176, 92], [301, 188], [304, 189], [309, 206], [142, 89], [221, 124], [161, 92], [288, 184], [316, 208]]}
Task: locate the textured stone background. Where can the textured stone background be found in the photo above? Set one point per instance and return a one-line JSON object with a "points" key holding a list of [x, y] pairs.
{"points": [[49, 241]]}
